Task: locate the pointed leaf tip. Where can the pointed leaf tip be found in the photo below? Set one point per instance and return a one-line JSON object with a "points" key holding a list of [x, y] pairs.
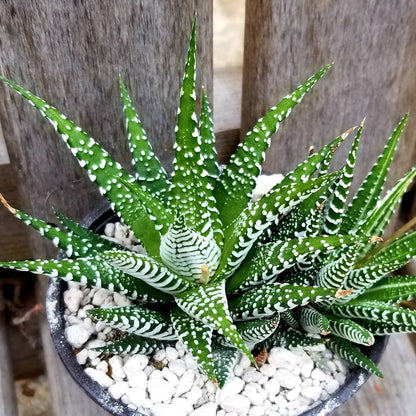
{"points": [[7, 205]]}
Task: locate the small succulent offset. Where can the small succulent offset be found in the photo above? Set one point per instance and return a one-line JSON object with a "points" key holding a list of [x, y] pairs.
{"points": [[225, 274]]}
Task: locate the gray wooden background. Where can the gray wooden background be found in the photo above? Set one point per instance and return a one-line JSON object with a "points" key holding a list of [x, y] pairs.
{"points": [[72, 52]]}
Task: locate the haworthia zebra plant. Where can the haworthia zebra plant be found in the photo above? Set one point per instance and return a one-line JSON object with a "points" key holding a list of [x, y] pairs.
{"points": [[222, 273]]}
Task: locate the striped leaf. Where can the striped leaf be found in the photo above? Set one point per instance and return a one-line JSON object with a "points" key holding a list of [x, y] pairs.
{"points": [[93, 273], [335, 273], [209, 305], [352, 354], [102, 170], [334, 207], [265, 263], [313, 321], [137, 320], [147, 270], [133, 344], [253, 332], [375, 311], [94, 241], [197, 339], [291, 317], [224, 360], [390, 289], [268, 300], [237, 181], [368, 194], [189, 194], [379, 217], [149, 172], [188, 253], [291, 338], [257, 217], [388, 327], [350, 330]]}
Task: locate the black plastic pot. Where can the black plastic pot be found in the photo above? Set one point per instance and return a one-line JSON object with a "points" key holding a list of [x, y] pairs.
{"points": [[55, 313]]}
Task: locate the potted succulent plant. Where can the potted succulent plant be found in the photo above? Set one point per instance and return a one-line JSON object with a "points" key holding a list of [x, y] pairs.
{"points": [[223, 274]]}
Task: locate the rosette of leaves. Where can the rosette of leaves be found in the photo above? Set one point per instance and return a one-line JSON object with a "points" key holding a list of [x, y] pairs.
{"points": [[224, 274]]}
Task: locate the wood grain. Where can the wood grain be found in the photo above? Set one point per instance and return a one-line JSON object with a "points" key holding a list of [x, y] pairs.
{"points": [[71, 54], [373, 45]]}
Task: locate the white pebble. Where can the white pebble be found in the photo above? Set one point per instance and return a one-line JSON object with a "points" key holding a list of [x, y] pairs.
{"points": [[282, 358], [73, 298], [185, 382], [121, 300], [100, 297], [312, 392], [237, 403], [160, 390], [332, 386], [82, 356], [244, 361], [95, 343], [170, 376], [136, 396], [100, 377], [208, 409], [233, 387], [178, 367], [171, 354], [251, 375], [183, 405], [135, 363], [167, 409], [318, 374], [307, 368], [180, 349], [118, 389], [256, 411], [287, 379], [272, 387], [293, 394], [268, 370], [116, 364], [102, 366], [77, 335], [159, 355], [253, 395], [109, 229], [194, 395], [138, 379]]}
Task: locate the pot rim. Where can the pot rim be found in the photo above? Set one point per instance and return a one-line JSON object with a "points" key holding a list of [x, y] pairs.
{"points": [[55, 305]]}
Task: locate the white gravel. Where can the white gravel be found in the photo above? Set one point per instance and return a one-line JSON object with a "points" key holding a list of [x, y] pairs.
{"points": [[290, 382]]}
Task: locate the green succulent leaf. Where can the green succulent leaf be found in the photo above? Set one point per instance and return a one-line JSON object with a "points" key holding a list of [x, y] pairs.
{"points": [[266, 262], [268, 300], [93, 243], [287, 337], [209, 305], [137, 320], [350, 330], [102, 170], [237, 181], [149, 172], [257, 217], [133, 344], [197, 339], [390, 289], [366, 198], [334, 208], [94, 273], [379, 312], [224, 360], [313, 322], [253, 332], [148, 270], [352, 354]]}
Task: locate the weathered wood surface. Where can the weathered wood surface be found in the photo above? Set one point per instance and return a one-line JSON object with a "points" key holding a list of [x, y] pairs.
{"points": [[7, 394], [373, 45], [393, 395], [71, 54]]}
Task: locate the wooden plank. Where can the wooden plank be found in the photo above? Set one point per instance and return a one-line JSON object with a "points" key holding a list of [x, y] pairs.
{"points": [[393, 395], [71, 54], [373, 46], [7, 393]]}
